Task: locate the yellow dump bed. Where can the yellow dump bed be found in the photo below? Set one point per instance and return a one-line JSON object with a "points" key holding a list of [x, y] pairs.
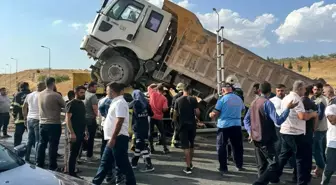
{"points": [[194, 55]]}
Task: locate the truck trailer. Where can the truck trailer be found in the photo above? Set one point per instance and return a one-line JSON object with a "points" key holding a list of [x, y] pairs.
{"points": [[134, 41]]}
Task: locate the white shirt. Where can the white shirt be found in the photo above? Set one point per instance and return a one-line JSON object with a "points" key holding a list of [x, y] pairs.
{"points": [[277, 104], [293, 125], [118, 109], [33, 109], [331, 133]]}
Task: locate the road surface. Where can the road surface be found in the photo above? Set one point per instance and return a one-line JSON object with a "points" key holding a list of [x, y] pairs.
{"points": [[168, 168]]}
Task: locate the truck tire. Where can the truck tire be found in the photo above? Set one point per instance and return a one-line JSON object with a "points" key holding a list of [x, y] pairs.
{"points": [[205, 114], [117, 69]]}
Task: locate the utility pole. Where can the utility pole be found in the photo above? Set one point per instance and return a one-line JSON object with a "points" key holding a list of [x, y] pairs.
{"points": [[49, 52], [10, 76], [219, 55], [16, 69]]}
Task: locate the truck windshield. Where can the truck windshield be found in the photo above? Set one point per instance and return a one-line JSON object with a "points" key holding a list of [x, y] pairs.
{"points": [[128, 10], [8, 160]]}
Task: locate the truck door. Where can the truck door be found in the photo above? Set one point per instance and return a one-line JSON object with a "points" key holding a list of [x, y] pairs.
{"points": [[119, 21]]}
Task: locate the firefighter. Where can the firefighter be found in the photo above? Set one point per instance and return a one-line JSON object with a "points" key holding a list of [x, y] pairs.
{"points": [[17, 104], [175, 139]]}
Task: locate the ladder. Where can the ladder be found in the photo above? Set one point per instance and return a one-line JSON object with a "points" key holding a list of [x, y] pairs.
{"points": [[220, 59]]}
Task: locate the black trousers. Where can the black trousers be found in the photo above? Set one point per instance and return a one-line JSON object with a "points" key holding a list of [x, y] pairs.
{"points": [[49, 133], [74, 151], [4, 121], [295, 145], [266, 162], [236, 138], [159, 125], [19, 130], [88, 145]]}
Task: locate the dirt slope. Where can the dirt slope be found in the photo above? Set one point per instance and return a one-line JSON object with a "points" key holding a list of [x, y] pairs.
{"points": [[31, 76], [319, 69]]}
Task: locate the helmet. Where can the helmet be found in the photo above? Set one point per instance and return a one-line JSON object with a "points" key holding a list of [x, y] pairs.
{"points": [[180, 86], [232, 79]]}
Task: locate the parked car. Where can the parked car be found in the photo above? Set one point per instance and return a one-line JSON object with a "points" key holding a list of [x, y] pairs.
{"points": [[15, 171]]}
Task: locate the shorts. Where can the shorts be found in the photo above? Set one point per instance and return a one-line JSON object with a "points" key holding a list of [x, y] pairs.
{"points": [[187, 136]]}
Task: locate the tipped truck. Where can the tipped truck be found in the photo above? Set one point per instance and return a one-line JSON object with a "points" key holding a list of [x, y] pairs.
{"points": [[133, 41]]}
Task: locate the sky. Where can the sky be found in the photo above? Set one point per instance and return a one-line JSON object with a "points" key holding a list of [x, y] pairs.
{"points": [[278, 28]]}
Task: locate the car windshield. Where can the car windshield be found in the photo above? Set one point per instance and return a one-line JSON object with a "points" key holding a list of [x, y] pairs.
{"points": [[8, 160]]}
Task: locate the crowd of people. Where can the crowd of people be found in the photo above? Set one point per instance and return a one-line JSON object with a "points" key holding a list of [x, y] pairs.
{"points": [[292, 128]]}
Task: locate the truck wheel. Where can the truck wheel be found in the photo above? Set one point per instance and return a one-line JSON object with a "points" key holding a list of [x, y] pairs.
{"points": [[117, 69], [205, 114]]}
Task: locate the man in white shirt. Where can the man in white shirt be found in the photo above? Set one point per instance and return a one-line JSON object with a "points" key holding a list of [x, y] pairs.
{"points": [[31, 115], [280, 94], [330, 166], [293, 131], [116, 132], [4, 111]]}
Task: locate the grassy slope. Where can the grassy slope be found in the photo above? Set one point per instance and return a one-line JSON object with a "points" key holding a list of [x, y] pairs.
{"points": [[319, 69]]}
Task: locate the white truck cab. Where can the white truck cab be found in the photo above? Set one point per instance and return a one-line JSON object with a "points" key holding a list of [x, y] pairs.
{"points": [[125, 38]]}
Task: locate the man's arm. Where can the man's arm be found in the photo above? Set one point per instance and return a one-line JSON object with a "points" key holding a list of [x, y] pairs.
{"points": [[60, 101], [68, 116], [247, 122], [25, 109], [94, 102], [320, 109], [165, 105], [175, 112], [332, 119], [271, 112], [215, 113]]}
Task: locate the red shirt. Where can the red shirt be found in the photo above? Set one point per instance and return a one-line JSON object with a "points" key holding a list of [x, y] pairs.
{"points": [[158, 102]]}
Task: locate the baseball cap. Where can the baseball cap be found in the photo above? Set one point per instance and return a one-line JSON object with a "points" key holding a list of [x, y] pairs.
{"points": [[226, 85]]}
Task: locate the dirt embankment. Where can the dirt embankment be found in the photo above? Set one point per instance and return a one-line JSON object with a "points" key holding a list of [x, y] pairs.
{"points": [[32, 76]]}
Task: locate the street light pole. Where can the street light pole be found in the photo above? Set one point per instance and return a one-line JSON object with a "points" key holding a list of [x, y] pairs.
{"points": [[16, 69], [10, 75], [49, 51]]}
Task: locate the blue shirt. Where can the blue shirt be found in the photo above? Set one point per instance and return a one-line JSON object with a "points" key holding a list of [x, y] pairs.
{"points": [[104, 106], [230, 107], [270, 112]]}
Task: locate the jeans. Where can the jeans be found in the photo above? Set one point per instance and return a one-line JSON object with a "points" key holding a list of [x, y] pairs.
{"points": [[318, 151], [4, 121], [236, 138], [33, 136], [74, 151], [330, 167], [267, 164], [49, 133], [119, 156], [120, 151], [92, 127], [19, 130], [278, 143], [159, 125], [295, 145]]}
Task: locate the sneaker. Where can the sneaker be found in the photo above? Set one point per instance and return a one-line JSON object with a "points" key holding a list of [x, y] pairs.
{"points": [[134, 166], [187, 171], [6, 136], [148, 168], [120, 180], [76, 176], [223, 172], [165, 151], [191, 166], [110, 180], [90, 159]]}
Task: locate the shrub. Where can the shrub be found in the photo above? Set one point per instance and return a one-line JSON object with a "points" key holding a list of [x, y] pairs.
{"points": [[58, 78], [290, 66], [299, 68], [332, 55]]}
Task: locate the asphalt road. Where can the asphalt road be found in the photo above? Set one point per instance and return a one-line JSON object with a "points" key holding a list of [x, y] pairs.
{"points": [[168, 168]]}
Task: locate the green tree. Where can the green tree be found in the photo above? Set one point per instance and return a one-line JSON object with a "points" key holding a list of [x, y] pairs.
{"points": [[309, 65], [290, 66]]}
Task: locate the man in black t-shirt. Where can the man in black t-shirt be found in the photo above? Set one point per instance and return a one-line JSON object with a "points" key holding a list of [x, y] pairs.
{"points": [[76, 124], [186, 110]]}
